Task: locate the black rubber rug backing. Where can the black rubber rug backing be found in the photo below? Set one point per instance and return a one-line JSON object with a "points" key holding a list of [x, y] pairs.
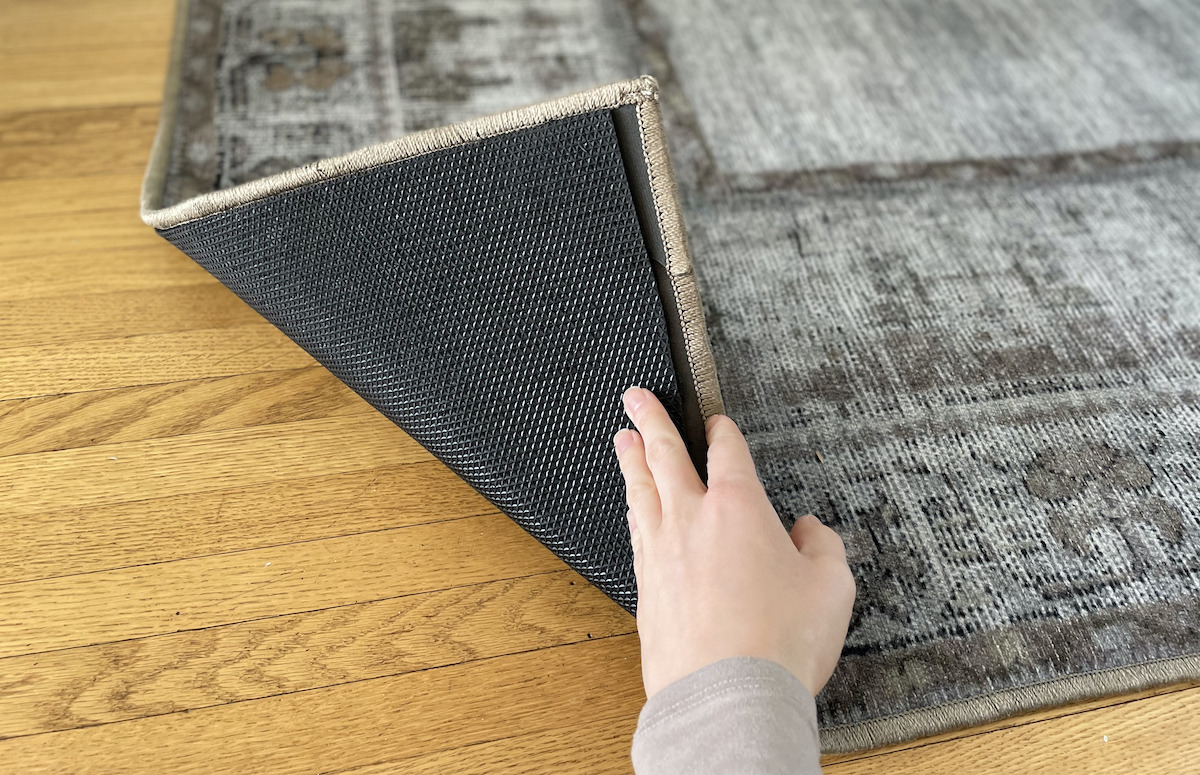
{"points": [[494, 299]]}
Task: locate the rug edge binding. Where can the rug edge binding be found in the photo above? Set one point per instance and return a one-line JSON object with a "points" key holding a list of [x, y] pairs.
{"points": [[155, 177], [642, 92], [913, 725], [665, 192], [639, 91]]}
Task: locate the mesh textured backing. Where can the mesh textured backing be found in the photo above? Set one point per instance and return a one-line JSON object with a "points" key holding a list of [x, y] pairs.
{"points": [[493, 300]]}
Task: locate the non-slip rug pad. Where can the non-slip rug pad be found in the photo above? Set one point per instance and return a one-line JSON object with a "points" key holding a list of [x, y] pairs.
{"points": [[949, 255], [493, 299]]}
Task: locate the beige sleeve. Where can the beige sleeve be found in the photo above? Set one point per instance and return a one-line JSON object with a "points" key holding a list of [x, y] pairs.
{"points": [[742, 714]]}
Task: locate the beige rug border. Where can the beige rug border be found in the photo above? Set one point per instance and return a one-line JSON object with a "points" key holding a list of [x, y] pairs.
{"points": [[407, 147], [155, 177], [1007, 703], [610, 96], [680, 269]]}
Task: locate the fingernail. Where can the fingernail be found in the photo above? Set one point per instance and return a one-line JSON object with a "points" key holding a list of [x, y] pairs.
{"points": [[622, 440], [634, 398]]}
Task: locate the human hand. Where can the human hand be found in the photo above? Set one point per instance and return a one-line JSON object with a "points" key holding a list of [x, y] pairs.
{"points": [[717, 574]]}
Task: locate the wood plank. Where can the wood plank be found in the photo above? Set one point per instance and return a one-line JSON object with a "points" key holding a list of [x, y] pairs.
{"points": [[72, 238], [147, 600], [550, 690], [72, 266], [268, 657], [96, 234], [595, 748], [72, 367], [90, 316], [48, 423], [71, 26], [130, 74], [1132, 737], [201, 462], [75, 142], [69, 194], [122, 535]]}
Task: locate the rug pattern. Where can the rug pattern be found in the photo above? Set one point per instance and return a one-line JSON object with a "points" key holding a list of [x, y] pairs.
{"points": [[950, 259]]}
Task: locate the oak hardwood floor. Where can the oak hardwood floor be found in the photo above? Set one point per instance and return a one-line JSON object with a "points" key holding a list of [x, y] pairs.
{"points": [[215, 558]]}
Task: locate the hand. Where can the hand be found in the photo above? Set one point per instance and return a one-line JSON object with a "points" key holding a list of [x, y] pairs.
{"points": [[717, 574]]}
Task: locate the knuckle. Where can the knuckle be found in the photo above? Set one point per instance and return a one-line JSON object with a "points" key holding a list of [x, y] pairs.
{"points": [[636, 492], [844, 581], [837, 542], [660, 448], [731, 483], [851, 585]]}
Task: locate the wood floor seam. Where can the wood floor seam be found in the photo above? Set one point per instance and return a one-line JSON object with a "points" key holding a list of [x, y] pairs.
{"points": [[195, 381], [446, 520], [283, 614], [325, 687]]}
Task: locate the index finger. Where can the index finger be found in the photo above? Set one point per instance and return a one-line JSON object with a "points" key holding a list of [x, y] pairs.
{"points": [[666, 454]]}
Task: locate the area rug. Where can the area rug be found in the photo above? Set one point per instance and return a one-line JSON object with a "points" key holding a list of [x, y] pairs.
{"points": [[943, 257]]}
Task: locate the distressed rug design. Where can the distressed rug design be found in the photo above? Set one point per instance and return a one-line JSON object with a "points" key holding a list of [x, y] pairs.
{"points": [[946, 267]]}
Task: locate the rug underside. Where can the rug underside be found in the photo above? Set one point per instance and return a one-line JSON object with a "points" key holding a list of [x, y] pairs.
{"points": [[949, 256]]}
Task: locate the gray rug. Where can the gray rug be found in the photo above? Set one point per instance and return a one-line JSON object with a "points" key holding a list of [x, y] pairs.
{"points": [[949, 253]]}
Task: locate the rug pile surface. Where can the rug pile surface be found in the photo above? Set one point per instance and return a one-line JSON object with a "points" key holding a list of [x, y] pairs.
{"points": [[949, 258]]}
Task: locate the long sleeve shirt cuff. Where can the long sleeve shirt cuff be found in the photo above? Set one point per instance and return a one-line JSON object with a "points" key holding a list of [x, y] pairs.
{"points": [[741, 715]]}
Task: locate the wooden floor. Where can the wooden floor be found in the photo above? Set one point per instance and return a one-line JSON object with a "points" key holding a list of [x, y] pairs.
{"points": [[215, 558]]}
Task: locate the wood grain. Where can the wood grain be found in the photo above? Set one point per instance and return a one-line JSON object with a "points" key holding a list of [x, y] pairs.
{"points": [[200, 462], [215, 558], [67, 264], [74, 142], [69, 217], [92, 608], [71, 420], [595, 748], [366, 722], [65, 195], [96, 77], [283, 654], [90, 539], [81, 25], [100, 364], [88, 316]]}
